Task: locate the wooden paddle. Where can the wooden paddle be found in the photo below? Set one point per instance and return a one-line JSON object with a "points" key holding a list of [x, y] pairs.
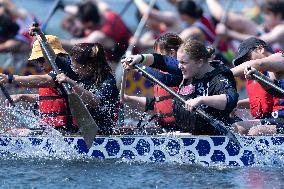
{"points": [[218, 125], [128, 52], [260, 77], [85, 121]]}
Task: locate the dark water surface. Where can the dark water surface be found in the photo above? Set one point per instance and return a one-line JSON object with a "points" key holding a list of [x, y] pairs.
{"points": [[52, 173]]}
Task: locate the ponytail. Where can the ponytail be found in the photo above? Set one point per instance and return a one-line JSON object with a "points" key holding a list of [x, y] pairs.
{"points": [[197, 50]]}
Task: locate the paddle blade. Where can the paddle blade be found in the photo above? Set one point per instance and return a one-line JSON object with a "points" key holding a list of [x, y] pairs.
{"points": [[227, 131], [85, 121]]}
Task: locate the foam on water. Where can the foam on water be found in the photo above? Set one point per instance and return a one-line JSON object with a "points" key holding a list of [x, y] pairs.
{"points": [[50, 145]]}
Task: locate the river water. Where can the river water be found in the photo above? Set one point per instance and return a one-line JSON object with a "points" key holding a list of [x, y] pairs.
{"points": [[78, 172], [54, 173]]}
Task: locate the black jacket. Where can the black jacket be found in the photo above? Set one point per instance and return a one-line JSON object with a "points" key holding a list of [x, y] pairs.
{"points": [[219, 81]]}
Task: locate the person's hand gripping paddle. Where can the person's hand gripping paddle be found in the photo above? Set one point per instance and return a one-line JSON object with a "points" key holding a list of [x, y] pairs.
{"points": [[85, 121]]}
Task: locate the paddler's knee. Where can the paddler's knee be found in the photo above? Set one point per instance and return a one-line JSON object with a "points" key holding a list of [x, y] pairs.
{"points": [[263, 130], [238, 128]]}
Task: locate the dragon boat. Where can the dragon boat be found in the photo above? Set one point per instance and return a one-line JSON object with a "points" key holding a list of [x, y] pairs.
{"points": [[190, 149]]}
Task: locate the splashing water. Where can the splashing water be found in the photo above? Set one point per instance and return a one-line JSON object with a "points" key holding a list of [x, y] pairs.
{"points": [[50, 145], [267, 154]]}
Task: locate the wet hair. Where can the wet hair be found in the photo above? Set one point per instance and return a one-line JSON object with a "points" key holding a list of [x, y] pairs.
{"points": [[88, 12], [139, 15], [167, 42], [8, 28], [197, 50], [189, 8], [276, 7], [92, 54]]}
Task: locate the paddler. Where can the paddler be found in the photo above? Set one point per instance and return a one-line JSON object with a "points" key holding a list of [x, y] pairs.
{"points": [[103, 27], [265, 104], [88, 74], [209, 86], [161, 102]]}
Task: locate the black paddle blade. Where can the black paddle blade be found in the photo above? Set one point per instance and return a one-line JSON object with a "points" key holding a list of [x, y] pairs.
{"points": [[219, 126], [226, 131], [234, 138], [85, 121]]}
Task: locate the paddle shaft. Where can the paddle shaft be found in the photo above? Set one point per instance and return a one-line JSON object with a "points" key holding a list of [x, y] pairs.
{"points": [[7, 95], [218, 125], [265, 80], [85, 121], [129, 50], [126, 6], [50, 55], [50, 14], [223, 21], [140, 27]]}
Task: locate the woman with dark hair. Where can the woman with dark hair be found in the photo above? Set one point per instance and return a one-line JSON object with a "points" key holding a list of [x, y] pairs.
{"points": [[88, 74], [9, 39], [15, 43], [105, 27], [95, 83], [209, 86], [197, 22], [265, 103]]}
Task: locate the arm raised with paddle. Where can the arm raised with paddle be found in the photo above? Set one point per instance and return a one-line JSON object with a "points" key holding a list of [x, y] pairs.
{"points": [[220, 126], [128, 52], [266, 82], [78, 109], [214, 83]]}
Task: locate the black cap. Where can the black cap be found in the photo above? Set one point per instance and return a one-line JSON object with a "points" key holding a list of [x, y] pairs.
{"points": [[246, 46]]}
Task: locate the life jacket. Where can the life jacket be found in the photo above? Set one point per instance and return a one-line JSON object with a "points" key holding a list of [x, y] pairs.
{"points": [[206, 86], [53, 108], [206, 27], [115, 28], [261, 102], [164, 105]]}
